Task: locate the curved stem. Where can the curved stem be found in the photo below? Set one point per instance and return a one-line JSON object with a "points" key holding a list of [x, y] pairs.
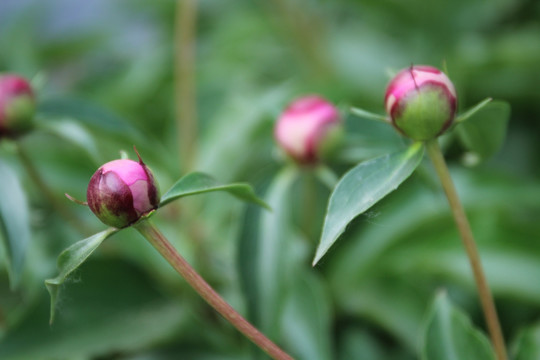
{"points": [[186, 109], [165, 248], [48, 194], [486, 298]]}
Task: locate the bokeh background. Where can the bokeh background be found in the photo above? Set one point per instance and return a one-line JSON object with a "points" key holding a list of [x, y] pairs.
{"points": [[113, 74]]}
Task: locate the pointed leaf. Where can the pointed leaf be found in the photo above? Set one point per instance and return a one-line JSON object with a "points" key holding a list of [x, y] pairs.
{"points": [[199, 183], [470, 112], [527, 345], [362, 187], [306, 321], [449, 335], [116, 309], [484, 133], [368, 115], [70, 259], [273, 259], [14, 222]]}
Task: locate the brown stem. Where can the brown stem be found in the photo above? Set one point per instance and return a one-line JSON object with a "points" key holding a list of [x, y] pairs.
{"points": [[486, 298], [306, 31], [186, 109], [48, 194], [165, 248]]}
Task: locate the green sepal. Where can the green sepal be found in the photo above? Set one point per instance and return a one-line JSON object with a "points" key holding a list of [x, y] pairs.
{"points": [[425, 115]]}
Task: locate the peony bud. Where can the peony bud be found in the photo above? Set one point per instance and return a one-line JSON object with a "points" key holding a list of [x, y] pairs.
{"points": [[17, 105], [307, 128], [121, 192], [421, 102]]}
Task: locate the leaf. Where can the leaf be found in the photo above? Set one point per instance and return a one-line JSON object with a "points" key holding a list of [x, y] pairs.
{"points": [[116, 309], [200, 183], [527, 345], [14, 222], [87, 113], [70, 259], [273, 253], [449, 335], [306, 319], [484, 133], [74, 133], [412, 245], [362, 187]]}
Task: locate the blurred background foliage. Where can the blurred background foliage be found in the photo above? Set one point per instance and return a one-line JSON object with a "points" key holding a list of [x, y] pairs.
{"points": [[104, 74]]}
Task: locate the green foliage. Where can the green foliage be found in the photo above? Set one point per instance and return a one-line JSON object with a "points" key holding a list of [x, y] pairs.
{"points": [[98, 316], [106, 79], [272, 267], [14, 223], [449, 335], [362, 187], [527, 344], [70, 259], [484, 133], [200, 183]]}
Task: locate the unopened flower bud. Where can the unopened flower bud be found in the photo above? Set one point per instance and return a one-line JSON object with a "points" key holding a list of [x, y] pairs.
{"points": [[17, 105], [308, 128], [121, 192], [421, 102]]}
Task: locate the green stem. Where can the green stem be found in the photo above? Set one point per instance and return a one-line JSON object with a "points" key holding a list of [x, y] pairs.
{"points": [[327, 176], [186, 109], [165, 248], [48, 194], [486, 298]]}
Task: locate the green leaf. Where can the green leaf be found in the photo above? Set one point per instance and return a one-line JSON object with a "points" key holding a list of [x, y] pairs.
{"points": [[117, 308], [70, 259], [273, 253], [200, 183], [306, 320], [71, 131], [362, 187], [449, 335], [527, 345], [87, 113], [484, 133], [14, 222]]}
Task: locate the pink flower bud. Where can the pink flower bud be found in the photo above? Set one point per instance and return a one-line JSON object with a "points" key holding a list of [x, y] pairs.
{"points": [[421, 102], [307, 127], [121, 191], [17, 105]]}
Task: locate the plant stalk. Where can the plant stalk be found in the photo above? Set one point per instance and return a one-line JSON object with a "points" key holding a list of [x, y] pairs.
{"points": [[165, 248], [486, 298], [185, 83]]}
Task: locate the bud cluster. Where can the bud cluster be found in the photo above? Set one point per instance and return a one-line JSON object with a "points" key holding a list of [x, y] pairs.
{"points": [[17, 105]]}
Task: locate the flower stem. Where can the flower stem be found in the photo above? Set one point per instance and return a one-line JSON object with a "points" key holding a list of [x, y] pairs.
{"points": [[464, 228], [48, 194], [186, 109], [165, 248]]}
